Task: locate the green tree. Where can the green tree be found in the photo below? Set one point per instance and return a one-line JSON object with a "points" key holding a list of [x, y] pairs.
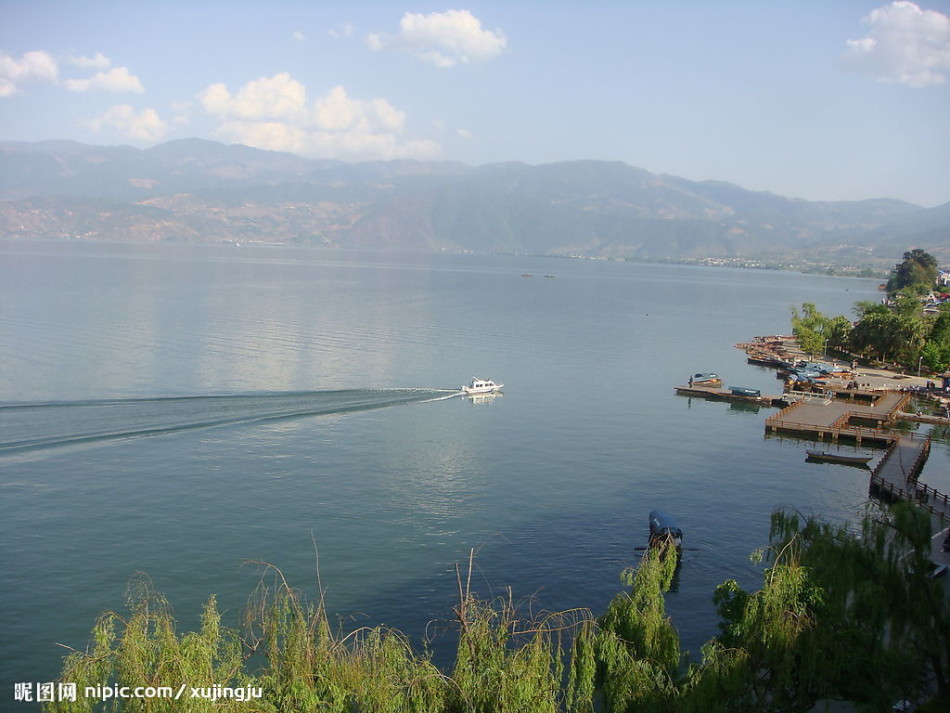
{"points": [[809, 328], [936, 351], [917, 271], [843, 614], [912, 329], [815, 331], [775, 626], [885, 332], [898, 332], [839, 332], [936, 356], [883, 624], [637, 648]]}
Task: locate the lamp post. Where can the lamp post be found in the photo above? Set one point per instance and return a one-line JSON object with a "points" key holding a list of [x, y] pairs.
{"points": [[919, 362]]}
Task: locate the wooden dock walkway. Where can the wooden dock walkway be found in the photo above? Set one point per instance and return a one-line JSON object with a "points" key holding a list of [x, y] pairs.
{"points": [[864, 415], [716, 394], [896, 474], [835, 419]]}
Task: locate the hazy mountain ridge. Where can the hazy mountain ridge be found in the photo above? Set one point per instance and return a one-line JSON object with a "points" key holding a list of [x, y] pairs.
{"points": [[203, 191]]}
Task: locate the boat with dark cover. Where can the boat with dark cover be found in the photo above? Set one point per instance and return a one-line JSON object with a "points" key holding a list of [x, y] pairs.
{"points": [[705, 379], [664, 530], [826, 457]]}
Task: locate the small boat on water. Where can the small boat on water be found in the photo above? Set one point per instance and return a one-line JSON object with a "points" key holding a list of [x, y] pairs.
{"points": [[825, 457], [664, 530], [744, 391], [705, 379], [482, 386]]}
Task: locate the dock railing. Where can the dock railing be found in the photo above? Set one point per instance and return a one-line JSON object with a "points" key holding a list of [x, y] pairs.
{"points": [[836, 429], [921, 495], [887, 476], [922, 453], [921, 458], [780, 416], [841, 426], [800, 396]]}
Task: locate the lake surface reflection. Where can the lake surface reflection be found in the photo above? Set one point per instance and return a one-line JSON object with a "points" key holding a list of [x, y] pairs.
{"points": [[180, 410]]}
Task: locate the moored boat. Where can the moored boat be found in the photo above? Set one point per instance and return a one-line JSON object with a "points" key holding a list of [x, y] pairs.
{"points": [[824, 456], [664, 530], [705, 379], [743, 391], [482, 386]]}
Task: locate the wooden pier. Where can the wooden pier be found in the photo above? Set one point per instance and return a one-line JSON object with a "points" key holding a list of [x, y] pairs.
{"points": [[895, 475], [863, 415], [835, 419], [708, 392]]}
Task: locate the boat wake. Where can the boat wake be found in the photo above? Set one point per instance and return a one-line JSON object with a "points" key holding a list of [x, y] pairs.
{"points": [[31, 427]]}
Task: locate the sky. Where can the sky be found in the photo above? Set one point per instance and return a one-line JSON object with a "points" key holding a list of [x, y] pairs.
{"points": [[841, 100]]}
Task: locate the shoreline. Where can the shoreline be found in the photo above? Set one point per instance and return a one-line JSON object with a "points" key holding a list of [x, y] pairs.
{"points": [[777, 350], [883, 386]]}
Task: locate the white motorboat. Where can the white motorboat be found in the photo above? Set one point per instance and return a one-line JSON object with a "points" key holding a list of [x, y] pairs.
{"points": [[482, 386]]}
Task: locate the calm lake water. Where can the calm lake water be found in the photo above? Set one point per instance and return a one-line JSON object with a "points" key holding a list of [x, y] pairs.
{"points": [[181, 410]]}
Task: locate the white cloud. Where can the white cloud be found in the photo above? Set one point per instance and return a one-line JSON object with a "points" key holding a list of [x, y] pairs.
{"points": [[118, 79], [299, 36], [216, 99], [97, 61], [273, 113], [337, 112], [143, 126], [904, 45], [38, 66], [384, 115], [271, 135], [443, 38], [277, 97], [464, 134]]}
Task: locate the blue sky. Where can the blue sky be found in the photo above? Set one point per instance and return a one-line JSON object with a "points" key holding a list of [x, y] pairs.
{"points": [[842, 100]]}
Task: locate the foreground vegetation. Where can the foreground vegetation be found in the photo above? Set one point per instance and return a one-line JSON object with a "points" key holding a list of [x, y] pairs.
{"points": [[841, 614]]}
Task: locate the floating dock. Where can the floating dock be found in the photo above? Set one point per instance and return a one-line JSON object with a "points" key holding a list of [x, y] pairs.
{"points": [[716, 394], [835, 419], [895, 475], [861, 415]]}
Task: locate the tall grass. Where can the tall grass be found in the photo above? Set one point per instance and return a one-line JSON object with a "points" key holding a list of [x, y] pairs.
{"points": [[288, 650], [783, 647]]}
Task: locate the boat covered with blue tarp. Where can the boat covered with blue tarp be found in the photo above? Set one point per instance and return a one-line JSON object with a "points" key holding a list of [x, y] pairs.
{"points": [[744, 391], [664, 530]]}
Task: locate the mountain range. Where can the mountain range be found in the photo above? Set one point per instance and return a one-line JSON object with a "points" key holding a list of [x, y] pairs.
{"points": [[203, 191]]}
